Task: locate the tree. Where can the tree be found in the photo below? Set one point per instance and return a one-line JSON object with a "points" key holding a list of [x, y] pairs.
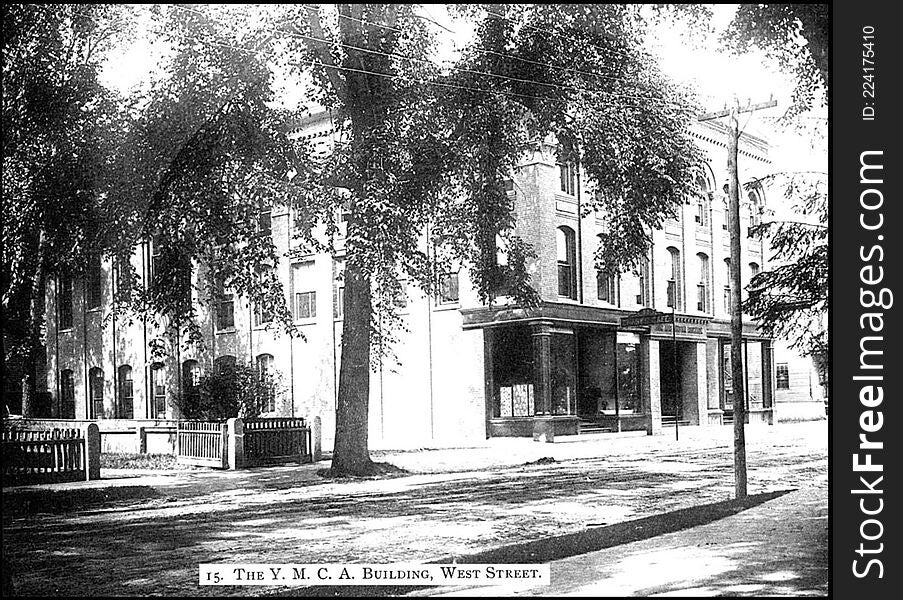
{"points": [[790, 300], [204, 156], [422, 146], [59, 128], [797, 36]]}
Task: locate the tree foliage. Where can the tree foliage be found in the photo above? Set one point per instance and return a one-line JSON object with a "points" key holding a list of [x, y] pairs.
{"points": [[60, 126], [797, 36], [424, 147], [234, 391], [205, 155], [790, 299]]}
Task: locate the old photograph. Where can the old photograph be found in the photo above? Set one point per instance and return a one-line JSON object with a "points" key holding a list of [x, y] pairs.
{"points": [[415, 299]]}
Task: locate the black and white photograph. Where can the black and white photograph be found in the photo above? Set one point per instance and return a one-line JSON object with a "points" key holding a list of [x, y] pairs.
{"points": [[441, 300]]}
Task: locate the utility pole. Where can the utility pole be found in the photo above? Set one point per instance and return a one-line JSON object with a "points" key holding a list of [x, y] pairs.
{"points": [[736, 309]]}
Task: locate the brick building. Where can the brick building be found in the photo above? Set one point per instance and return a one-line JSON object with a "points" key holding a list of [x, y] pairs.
{"points": [[465, 370]]}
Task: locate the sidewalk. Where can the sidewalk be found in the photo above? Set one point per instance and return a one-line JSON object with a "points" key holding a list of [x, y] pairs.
{"points": [[778, 548], [157, 528]]}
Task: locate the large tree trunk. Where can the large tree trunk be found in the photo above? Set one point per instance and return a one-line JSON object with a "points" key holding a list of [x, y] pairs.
{"points": [[365, 101], [351, 454], [33, 331]]}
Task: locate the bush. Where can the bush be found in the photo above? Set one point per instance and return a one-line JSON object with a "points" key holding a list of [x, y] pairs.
{"points": [[234, 391]]}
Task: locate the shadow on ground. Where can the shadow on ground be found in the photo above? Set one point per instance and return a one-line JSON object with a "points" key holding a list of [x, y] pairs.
{"points": [[564, 546]]}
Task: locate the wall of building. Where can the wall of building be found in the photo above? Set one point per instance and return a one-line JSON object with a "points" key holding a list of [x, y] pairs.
{"points": [[432, 392]]}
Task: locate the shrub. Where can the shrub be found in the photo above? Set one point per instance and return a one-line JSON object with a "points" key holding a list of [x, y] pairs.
{"points": [[234, 391]]}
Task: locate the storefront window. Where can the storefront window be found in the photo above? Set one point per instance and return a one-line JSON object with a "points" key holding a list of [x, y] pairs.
{"points": [[564, 374], [628, 361], [512, 373]]}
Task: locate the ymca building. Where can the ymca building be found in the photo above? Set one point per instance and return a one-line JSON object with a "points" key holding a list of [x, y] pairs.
{"points": [[465, 371]]}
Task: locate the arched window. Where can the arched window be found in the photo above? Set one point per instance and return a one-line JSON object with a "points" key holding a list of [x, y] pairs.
{"points": [[158, 391], [703, 201], [727, 285], [754, 270], [224, 363], [67, 394], [567, 263], [265, 371], [191, 374], [263, 314], [755, 212], [225, 305], [675, 283], [95, 388], [702, 286], [125, 401]]}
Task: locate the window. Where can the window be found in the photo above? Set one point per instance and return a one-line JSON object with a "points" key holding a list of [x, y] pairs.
{"points": [[343, 216], [783, 376], [191, 374], [265, 222], [567, 287], [755, 213], [702, 288], [606, 287], [67, 394], [727, 285], [94, 282], [753, 270], [225, 306], [265, 371], [185, 272], [64, 299], [675, 285], [643, 297], [338, 290], [448, 288], [400, 300], [156, 254], [158, 391], [702, 202], [568, 175], [263, 314], [304, 305], [224, 363], [95, 385], [125, 398]]}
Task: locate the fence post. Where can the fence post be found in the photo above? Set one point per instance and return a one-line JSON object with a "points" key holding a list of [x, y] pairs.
{"points": [[92, 452], [141, 437], [316, 426], [236, 443]]}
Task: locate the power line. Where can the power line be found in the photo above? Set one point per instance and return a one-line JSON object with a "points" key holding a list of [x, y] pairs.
{"points": [[437, 83], [472, 71], [492, 52]]}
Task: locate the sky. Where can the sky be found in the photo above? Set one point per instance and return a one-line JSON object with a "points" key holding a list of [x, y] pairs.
{"points": [[697, 60]]}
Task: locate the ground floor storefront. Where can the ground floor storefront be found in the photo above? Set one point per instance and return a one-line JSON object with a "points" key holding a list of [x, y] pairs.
{"points": [[558, 368]]}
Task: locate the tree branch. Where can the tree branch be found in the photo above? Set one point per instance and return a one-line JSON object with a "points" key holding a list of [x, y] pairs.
{"points": [[322, 51]]}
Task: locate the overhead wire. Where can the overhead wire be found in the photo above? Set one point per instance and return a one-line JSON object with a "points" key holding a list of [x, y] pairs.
{"points": [[461, 69]]}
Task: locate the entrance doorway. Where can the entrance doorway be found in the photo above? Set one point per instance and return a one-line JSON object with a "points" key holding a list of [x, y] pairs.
{"points": [[671, 378]]}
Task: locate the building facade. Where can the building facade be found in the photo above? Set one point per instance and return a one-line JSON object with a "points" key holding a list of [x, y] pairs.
{"points": [[464, 370]]}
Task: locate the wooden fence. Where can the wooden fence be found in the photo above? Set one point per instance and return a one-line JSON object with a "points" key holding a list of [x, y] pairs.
{"points": [[204, 444], [276, 440], [50, 455], [239, 443]]}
